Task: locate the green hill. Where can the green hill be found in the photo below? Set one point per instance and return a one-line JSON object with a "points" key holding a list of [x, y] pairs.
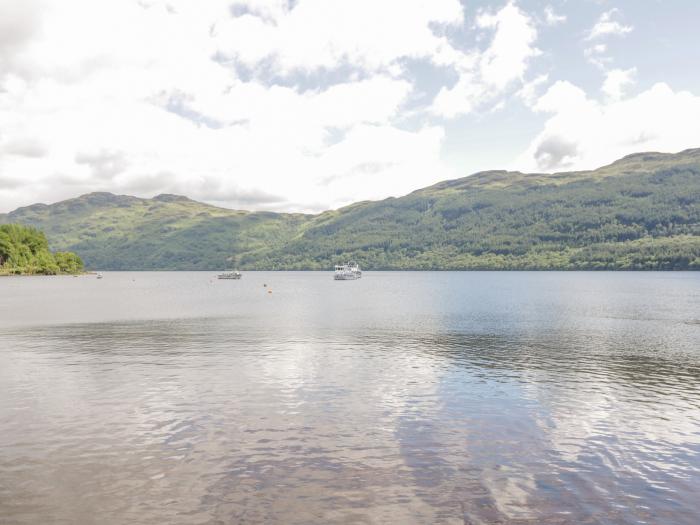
{"points": [[641, 212], [25, 251]]}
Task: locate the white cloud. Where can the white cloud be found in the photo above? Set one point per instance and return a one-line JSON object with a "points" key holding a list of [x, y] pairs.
{"points": [[582, 133], [25, 147], [383, 158], [267, 103], [487, 75], [19, 22], [616, 81], [275, 141], [551, 18], [326, 34], [512, 46], [153, 112], [595, 55], [596, 52], [290, 105], [529, 92], [607, 26]]}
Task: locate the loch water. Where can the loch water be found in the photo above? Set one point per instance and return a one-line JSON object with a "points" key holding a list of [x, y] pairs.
{"points": [[403, 397]]}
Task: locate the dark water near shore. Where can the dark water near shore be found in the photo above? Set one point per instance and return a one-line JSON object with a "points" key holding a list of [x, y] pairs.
{"points": [[401, 398]]}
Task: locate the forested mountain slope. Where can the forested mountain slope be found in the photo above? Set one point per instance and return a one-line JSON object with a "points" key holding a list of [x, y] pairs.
{"points": [[641, 212]]}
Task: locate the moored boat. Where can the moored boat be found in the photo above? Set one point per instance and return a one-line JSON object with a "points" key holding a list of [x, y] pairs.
{"points": [[231, 274], [235, 274]]}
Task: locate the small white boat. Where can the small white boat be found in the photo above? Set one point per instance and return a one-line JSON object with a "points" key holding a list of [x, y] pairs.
{"points": [[231, 274], [235, 274], [347, 272], [99, 275]]}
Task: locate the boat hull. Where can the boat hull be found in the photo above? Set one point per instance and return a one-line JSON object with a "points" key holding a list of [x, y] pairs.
{"points": [[347, 277]]}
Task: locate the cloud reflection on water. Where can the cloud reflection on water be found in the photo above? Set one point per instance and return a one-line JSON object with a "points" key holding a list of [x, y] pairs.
{"points": [[449, 415]]}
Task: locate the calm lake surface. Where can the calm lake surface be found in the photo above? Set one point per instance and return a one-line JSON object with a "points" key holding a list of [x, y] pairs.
{"points": [[510, 398]]}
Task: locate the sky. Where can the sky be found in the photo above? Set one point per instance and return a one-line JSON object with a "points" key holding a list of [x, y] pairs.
{"points": [[306, 105]]}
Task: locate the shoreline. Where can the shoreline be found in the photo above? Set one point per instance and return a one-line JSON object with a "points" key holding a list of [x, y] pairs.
{"points": [[12, 274], [479, 270]]}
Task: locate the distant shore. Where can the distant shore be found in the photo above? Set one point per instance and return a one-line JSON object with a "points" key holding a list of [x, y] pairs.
{"points": [[384, 270], [11, 273]]}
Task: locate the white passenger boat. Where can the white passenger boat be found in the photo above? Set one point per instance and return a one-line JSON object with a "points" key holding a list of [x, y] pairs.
{"points": [[347, 272]]}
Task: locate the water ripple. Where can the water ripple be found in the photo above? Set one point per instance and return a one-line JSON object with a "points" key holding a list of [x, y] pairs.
{"points": [[421, 411]]}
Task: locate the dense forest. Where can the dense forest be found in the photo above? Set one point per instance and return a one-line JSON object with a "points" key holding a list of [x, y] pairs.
{"points": [[25, 251], [641, 212]]}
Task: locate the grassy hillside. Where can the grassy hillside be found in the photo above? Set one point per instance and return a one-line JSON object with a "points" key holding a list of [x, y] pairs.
{"points": [[25, 251], [642, 212]]}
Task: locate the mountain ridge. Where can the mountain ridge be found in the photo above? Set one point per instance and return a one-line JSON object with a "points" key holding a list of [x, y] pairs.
{"points": [[639, 212], [169, 197]]}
